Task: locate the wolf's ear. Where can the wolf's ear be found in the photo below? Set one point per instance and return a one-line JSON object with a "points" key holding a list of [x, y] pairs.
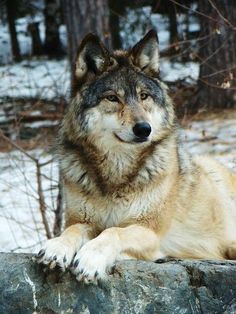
{"points": [[92, 56], [145, 54]]}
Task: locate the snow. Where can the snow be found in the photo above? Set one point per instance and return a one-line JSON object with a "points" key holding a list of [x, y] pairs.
{"points": [[20, 218], [136, 22], [41, 78], [46, 79], [215, 137], [172, 71], [5, 51], [23, 36], [41, 124], [160, 23]]}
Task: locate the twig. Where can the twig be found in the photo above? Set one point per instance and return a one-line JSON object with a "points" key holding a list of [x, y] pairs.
{"points": [[220, 72], [41, 198], [216, 86], [7, 139], [46, 162], [220, 14], [202, 14]]}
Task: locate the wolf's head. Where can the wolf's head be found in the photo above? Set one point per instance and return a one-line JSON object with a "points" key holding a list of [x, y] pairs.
{"points": [[119, 99]]}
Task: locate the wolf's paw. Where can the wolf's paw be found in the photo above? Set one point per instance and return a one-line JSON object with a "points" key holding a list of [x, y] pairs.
{"points": [[57, 252], [92, 262]]}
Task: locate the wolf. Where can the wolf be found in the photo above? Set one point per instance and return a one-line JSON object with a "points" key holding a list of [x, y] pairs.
{"points": [[131, 190]]}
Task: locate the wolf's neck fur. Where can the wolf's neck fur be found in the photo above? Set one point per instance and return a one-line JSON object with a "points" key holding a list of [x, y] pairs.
{"points": [[109, 172]]}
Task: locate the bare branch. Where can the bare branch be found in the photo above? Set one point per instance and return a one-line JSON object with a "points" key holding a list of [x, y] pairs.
{"points": [[203, 15], [220, 14], [7, 139], [41, 200]]}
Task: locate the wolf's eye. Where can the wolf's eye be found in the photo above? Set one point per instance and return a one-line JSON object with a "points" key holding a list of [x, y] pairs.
{"points": [[144, 96], [112, 98]]}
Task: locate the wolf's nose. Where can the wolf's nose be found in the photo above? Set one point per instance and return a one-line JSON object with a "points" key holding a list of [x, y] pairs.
{"points": [[142, 129]]}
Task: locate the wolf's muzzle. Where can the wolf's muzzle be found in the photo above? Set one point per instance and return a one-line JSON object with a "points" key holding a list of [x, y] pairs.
{"points": [[142, 130]]}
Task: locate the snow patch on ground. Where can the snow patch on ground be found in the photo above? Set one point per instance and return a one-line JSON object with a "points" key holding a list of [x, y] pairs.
{"points": [[173, 71], [215, 137], [22, 229], [35, 78]]}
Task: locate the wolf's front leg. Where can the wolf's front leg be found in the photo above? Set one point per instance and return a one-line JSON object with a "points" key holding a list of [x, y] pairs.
{"points": [[98, 255], [61, 250]]}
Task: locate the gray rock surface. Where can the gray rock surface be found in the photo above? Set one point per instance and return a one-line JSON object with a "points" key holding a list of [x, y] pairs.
{"points": [[168, 286]]}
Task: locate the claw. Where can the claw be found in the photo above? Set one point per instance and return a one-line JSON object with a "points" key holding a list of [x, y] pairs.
{"points": [[72, 261], [80, 277], [87, 281], [41, 253], [76, 263], [52, 265], [46, 262], [63, 268]]}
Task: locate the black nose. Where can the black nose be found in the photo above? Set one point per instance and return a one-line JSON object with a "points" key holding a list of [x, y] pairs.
{"points": [[142, 129]]}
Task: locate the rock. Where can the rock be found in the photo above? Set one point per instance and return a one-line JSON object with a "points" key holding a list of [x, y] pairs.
{"points": [[165, 287]]}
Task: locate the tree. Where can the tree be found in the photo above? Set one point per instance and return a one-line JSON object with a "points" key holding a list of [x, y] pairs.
{"points": [[37, 47], [52, 45], [217, 55], [11, 7], [82, 17], [116, 10]]}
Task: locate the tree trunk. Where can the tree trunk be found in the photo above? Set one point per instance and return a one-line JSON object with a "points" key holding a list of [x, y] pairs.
{"points": [[52, 45], [11, 16], [217, 79], [82, 17], [116, 9], [37, 47], [173, 28]]}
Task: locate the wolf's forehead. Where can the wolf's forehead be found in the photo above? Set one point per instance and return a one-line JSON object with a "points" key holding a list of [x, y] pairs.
{"points": [[126, 80]]}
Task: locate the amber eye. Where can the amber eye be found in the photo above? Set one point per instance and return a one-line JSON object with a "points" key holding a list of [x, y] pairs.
{"points": [[112, 98], [144, 96]]}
